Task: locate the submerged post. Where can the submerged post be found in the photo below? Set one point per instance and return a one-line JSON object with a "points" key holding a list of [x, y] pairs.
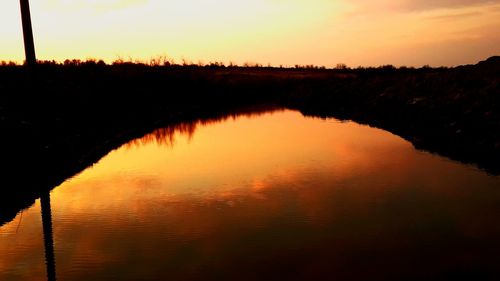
{"points": [[29, 44]]}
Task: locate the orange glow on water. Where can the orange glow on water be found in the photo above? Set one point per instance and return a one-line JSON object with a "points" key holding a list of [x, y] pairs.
{"points": [[267, 189]]}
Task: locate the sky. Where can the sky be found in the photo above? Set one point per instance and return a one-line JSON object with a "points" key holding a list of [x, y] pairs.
{"points": [[276, 32]]}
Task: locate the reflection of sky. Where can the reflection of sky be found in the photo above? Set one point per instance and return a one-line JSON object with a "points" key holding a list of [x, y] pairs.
{"points": [[288, 32], [262, 196]]}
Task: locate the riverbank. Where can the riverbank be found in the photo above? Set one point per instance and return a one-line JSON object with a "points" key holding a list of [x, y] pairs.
{"points": [[58, 119]]}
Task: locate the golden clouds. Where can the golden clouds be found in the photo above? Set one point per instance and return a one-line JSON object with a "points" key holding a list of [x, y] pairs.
{"points": [[278, 32], [95, 5]]}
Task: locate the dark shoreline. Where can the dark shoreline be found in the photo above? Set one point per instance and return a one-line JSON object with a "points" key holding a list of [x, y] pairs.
{"points": [[57, 120]]}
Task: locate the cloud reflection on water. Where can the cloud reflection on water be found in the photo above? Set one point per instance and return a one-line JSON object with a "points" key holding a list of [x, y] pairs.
{"points": [[268, 197]]}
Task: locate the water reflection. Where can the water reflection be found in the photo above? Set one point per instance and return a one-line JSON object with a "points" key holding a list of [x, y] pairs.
{"points": [[166, 135], [273, 197], [50, 165], [48, 240]]}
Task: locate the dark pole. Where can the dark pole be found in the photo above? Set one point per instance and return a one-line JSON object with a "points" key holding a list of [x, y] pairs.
{"points": [[48, 239], [29, 44]]}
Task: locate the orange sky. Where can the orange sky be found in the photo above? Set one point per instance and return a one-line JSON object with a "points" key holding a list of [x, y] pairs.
{"points": [[287, 32]]}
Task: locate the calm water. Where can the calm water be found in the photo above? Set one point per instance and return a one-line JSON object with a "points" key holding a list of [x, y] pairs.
{"points": [[270, 197]]}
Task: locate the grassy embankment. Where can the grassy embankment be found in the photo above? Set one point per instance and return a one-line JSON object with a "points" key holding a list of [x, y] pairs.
{"points": [[58, 119]]}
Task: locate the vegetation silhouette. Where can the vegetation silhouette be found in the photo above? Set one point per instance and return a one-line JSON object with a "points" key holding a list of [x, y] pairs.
{"points": [[166, 135]]}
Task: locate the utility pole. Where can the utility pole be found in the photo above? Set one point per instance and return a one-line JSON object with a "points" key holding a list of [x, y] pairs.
{"points": [[29, 44]]}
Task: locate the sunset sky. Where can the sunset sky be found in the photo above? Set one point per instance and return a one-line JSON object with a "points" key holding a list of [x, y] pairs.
{"points": [[279, 32]]}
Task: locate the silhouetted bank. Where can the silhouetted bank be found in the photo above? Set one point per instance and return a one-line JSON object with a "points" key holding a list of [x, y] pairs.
{"points": [[56, 120]]}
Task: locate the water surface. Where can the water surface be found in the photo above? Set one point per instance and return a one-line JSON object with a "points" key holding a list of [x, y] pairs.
{"points": [[269, 197]]}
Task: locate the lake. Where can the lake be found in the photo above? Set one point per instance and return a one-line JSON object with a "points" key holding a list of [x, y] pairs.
{"points": [[269, 196]]}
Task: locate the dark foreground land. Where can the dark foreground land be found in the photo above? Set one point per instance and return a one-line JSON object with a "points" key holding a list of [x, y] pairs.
{"points": [[56, 120]]}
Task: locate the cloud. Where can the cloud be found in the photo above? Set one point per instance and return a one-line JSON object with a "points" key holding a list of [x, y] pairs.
{"points": [[416, 5], [99, 5], [419, 5], [449, 17]]}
